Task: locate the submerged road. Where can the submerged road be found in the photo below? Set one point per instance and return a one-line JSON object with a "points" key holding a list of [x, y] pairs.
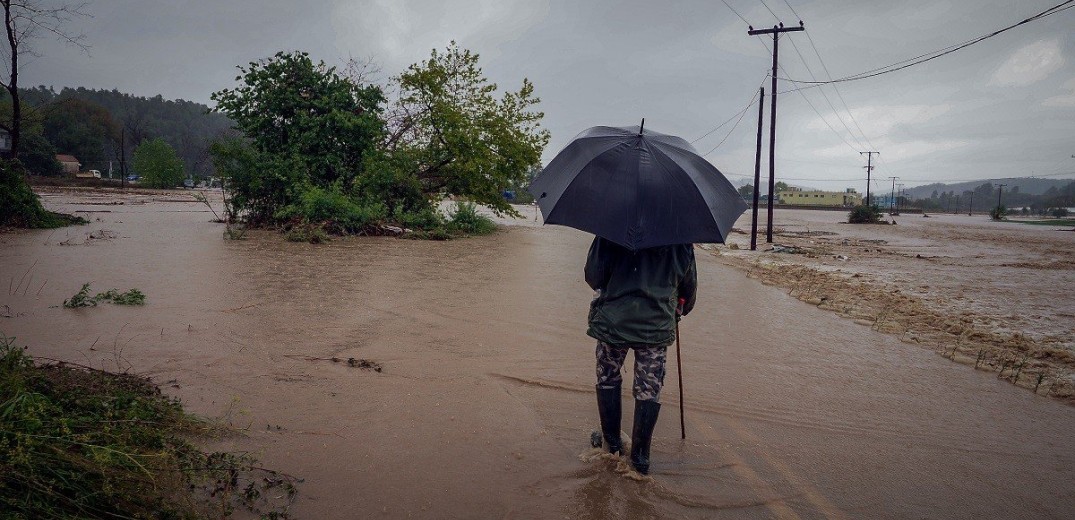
{"points": [[485, 402]]}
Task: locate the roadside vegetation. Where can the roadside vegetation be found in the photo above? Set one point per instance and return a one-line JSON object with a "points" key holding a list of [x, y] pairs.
{"points": [[20, 207], [78, 442], [863, 214], [359, 158]]}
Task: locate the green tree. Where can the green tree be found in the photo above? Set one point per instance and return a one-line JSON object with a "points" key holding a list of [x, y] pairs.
{"points": [[157, 163], [80, 128], [289, 106], [746, 191], [259, 184], [38, 155], [449, 131]]}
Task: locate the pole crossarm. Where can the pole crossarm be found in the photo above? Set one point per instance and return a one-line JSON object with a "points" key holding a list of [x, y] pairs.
{"points": [[776, 30]]}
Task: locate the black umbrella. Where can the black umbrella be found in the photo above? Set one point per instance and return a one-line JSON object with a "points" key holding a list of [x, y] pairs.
{"points": [[638, 188]]}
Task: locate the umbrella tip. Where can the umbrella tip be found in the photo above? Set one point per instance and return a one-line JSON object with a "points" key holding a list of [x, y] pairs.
{"points": [[641, 126]]}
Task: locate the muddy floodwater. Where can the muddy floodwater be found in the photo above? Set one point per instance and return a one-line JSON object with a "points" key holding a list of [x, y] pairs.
{"points": [[484, 402]]}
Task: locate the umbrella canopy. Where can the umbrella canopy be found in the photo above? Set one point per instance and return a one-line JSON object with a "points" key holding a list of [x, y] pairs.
{"points": [[637, 188]]}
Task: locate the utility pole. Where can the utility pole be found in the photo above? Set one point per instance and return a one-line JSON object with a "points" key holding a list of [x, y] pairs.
{"points": [[757, 174], [970, 209], [892, 195], [123, 157], [775, 31], [1000, 191], [899, 197], [869, 168]]}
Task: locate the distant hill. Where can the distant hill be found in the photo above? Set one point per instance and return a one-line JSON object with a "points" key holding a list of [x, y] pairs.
{"points": [[1027, 185], [187, 126]]}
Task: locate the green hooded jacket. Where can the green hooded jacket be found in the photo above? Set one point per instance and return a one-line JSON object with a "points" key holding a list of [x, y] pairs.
{"points": [[638, 291]]}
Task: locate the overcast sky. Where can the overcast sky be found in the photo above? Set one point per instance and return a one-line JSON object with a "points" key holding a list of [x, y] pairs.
{"points": [[1003, 107]]}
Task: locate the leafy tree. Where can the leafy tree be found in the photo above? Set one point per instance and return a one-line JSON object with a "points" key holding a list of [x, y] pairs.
{"points": [[746, 191], [39, 156], [156, 162], [998, 212], [984, 191], [289, 106], [448, 130], [80, 128]]}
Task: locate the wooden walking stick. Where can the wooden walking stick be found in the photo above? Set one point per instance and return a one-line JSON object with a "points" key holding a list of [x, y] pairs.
{"points": [[679, 372]]}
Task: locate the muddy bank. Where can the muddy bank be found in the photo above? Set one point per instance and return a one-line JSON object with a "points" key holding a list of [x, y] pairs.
{"points": [[484, 402], [994, 295]]}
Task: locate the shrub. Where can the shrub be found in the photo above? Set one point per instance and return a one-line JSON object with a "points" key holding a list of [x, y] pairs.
{"points": [[83, 299], [333, 210], [863, 214], [423, 218], [998, 212], [306, 233], [1059, 212], [466, 219], [20, 206]]}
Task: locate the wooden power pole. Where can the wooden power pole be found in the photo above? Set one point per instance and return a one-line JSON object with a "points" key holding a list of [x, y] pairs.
{"points": [[775, 31], [869, 168], [757, 174]]}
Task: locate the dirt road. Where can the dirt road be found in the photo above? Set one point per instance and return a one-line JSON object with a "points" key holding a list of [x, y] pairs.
{"points": [[484, 404]]}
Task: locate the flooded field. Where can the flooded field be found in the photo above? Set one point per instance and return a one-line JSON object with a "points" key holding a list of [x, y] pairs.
{"points": [[484, 400], [993, 294]]}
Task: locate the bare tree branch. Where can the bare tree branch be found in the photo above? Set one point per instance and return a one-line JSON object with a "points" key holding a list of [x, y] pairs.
{"points": [[24, 21]]}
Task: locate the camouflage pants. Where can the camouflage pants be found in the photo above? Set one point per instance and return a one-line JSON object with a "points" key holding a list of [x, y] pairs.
{"points": [[649, 368]]}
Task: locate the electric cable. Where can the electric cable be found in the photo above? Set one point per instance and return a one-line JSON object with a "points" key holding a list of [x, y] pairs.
{"points": [[726, 136], [923, 58], [737, 114]]}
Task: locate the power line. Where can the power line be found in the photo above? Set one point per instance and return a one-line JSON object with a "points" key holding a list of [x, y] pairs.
{"points": [[923, 58], [736, 12], [834, 87], [741, 116], [825, 96], [770, 10], [737, 114], [792, 10]]}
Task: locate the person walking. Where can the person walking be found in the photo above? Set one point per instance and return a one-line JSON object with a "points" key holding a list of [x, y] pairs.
{"points": [[636, 307]]}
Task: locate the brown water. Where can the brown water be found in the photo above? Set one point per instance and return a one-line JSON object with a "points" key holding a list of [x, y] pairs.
{"points": [[485, 402]]}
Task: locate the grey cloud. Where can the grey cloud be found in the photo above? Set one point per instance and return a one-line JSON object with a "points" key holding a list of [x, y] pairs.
{"points": [[685, 66]]}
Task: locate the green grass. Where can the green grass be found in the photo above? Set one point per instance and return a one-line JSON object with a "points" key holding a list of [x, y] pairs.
{"points": [[77, 442]]}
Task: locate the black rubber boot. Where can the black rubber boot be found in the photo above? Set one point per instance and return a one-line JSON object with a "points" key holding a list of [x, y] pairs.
{"points": [[645, 419], [610, 408]]}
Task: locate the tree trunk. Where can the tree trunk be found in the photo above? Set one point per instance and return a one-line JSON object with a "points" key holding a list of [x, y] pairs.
{"points": [[13, 82]]}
